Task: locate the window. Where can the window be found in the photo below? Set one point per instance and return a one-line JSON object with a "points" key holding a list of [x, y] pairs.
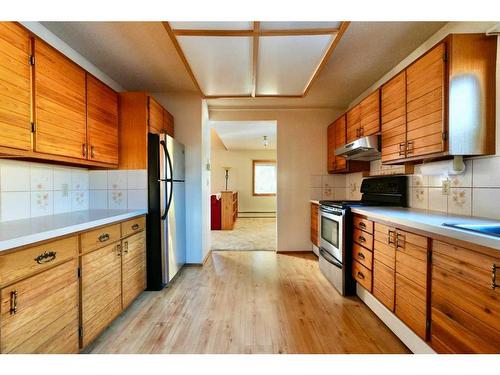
{"points": [[264, 177]]}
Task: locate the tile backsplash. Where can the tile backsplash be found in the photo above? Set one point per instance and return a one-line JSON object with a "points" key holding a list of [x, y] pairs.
{"points": [[118, 189], [476, 192], [34, 189]]}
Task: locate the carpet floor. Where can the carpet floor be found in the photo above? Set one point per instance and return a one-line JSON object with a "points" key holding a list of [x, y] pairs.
{"points": [[248, 234]]}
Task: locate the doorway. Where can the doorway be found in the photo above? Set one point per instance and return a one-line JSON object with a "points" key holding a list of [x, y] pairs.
{"points": [[243, 185]]}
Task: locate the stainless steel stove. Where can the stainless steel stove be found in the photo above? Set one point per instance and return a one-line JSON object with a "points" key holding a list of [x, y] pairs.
{"points": [[335, 259]]}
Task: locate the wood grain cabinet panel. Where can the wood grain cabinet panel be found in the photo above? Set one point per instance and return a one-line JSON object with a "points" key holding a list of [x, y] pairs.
{"points": [[15, 87], [370, 114], [155, 116], [363, 224], [393, 118], [102, 121], [341, 163], [168, 123], [331, 148], [362, 255], [465, 307], [40, 314], [60, 104], [133, 226], [315, 224], [353, 121], [96, 238], [133, 267], [362, 275], [100, 290], [362, 238], [384, 284]]}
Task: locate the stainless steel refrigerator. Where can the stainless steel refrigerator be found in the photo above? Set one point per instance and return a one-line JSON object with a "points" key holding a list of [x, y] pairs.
{"points": [[166, 220]]}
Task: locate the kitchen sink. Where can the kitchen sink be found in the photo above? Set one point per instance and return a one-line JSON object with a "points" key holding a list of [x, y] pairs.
{"points": [[490, 229]]}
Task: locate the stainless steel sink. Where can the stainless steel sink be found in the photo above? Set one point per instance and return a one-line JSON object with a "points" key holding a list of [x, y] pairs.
{"points": [[489, 229]]}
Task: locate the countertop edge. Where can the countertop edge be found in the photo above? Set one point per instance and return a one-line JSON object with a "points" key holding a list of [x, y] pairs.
{"points": [[31, 239], [452, 233]]}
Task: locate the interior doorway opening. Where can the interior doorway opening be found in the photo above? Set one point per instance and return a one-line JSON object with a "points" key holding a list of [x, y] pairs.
{"points": [[243, 185]]}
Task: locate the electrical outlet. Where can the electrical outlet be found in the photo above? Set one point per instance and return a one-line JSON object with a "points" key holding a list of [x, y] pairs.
{"points": [[445, 187]]}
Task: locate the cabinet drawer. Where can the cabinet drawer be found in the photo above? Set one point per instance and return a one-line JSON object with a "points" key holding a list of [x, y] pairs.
{"points": [[363, 238], [132, 226], [362, 275], [97, 238], [383, 284], [363, 224], [385, 234], [23, 263], [362, 255]]}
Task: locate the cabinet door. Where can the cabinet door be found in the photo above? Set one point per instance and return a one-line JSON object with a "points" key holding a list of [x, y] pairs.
{"points": [[101, 290], [393, 118], [411, 281], [155, 116], [15, 87], [370, 114], [168, 123], [102, 121], [40, 314], [465, 307], [315, 224], [353, 124], [60, 110], [425, 84], [331, 148], [384, 274], [340, 140], [134, 267]]}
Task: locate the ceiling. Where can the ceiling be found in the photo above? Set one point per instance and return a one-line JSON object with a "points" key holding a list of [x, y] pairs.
{"points": [[141, 56], [246, 135]]}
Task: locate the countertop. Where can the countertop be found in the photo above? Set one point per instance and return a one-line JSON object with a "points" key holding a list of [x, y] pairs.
{"points": [[314, 201], [431, 221], [18, 233]]}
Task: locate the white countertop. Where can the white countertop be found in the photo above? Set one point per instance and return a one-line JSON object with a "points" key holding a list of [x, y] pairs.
{"points": [[18, 233], [431, 221], [314, 201]]}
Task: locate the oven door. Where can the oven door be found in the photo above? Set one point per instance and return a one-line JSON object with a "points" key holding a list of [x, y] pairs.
{"points": [[331, 233]]}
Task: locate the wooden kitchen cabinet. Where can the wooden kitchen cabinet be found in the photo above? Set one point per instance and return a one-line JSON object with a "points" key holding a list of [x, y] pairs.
{"points": [[133, 267], [364, 118], [60, 104], [331, 148], [315, 224], [39, 314], [101, 290], [15, 87], [168, 123], [465, 304], [155, 116], [353, 124], [393, 118], [362, 251], [102, 122], [384, 267]]}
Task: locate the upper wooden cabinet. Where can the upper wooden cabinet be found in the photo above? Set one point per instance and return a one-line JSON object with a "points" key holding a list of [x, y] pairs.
{"points": [[139, 114], [393, 118], [49, 110], [15, 87], [364, 118], [465, 301], [330, 135], [449, 102], [102, 121], [60, 104]]}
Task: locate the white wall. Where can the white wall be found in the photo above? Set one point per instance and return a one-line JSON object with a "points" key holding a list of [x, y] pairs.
{"points": [[240, 177], [301, 152]]}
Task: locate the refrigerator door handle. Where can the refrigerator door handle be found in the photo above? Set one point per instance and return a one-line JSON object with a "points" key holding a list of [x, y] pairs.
{"points": [[165, 180], [171, 181]]}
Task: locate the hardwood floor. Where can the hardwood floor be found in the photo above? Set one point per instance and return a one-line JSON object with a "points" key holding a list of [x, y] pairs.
{"points": [[249, 302]]}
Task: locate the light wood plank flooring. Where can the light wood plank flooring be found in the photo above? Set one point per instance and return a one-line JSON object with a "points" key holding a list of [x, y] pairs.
{"points": [[249, 302]]}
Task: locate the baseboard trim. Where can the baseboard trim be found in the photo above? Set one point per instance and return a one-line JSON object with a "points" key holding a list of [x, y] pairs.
{"points": [[406, 335], [206, 257], [294, 252]]}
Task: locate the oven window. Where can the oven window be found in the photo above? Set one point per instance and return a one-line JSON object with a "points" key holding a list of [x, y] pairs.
{"points": [[330, 231]]}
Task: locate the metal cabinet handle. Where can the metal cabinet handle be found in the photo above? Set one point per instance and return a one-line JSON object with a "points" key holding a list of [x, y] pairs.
{"points": [[103, 237], [125, 247], [46, 257], [84, 150], [361, 255], [400, 237], [494, 284], [390, 237], [92, 152], [362, 225], [402, 149], [118, 250], [409, 150], [361, 131], [135, 226], [361, 239], [13, 302], [361, 276]]}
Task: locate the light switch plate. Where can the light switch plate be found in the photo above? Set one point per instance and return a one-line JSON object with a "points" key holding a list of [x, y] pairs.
{"points": [[445, 187]]}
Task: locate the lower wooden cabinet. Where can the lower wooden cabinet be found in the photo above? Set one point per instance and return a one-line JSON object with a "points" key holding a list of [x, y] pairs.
{"points": [[315, 224], [465, 302], [133, 267], [101, 290], [40, 313]]}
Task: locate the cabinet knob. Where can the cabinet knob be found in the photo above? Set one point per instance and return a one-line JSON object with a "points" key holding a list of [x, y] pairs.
{"points": [[361, 239], [46, 257], [103, 237], [361, 255], [13, 302], [361, 276], [494, 284], [135, 226], [362, 225]]}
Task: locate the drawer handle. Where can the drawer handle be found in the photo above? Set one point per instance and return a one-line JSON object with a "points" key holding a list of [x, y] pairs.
{"points": [[135, 226], [125, 247], [494, 284], [361, 239], [13, 302], [103, 237], [361, 276], [361, 255], [46, 257], [400, 237], [402, 149], [390, 237], [362, 225], [118, 250]]}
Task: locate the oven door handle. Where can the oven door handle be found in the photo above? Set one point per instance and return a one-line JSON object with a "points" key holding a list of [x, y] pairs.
{"points": [[327, 211], [329, 258]]}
